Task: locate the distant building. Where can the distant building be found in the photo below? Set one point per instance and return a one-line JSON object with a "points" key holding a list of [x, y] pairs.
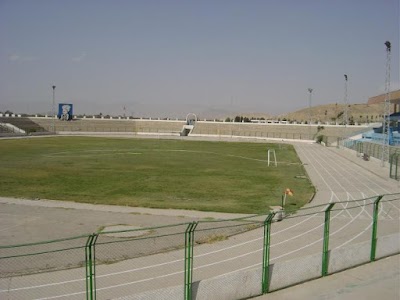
{"points": [[394, 98]]}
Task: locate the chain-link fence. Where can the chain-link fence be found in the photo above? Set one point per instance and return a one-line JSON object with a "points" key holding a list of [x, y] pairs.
{"points": [[130, 260], [26, 269], [387, 222], [221, 248], [213, 259], [371, 149], [351, 224], [394, 161], [297, 236]]}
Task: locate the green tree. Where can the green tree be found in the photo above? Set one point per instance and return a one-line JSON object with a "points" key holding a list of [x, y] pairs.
{"points": [[238, 119]]}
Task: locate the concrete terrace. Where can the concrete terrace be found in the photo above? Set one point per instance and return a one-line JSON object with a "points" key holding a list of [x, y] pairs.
{"points": [[271, 130], [330, 133]]}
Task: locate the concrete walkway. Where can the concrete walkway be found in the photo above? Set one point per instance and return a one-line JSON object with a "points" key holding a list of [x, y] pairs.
{"points": [[377, 280]]}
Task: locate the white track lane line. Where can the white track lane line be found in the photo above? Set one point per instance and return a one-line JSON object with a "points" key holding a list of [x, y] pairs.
{"points": [[360, 174], [381, 211], [200, 267], [353, 176], [365, 229], [333, 177], [167, 263], [215, 263], [348, 194], [159, 265], [316, 171]]}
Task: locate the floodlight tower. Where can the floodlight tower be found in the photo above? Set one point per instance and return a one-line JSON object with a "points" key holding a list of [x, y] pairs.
{"points": [[54, 108], [386, 108], [309, 110], [346, 105]]}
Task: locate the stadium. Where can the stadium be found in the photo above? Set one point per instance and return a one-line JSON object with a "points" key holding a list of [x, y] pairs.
{"points": [[199, 150], [169, 209]]}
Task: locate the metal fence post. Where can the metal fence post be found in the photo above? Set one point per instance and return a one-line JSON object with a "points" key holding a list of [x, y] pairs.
{"points": [[325, 251], [375, 227], [393, 162], [266, 253], [189, 243], [90, 258]]}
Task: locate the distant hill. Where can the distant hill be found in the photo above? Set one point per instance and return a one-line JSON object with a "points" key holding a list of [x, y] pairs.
{"points": [[359, 113]]}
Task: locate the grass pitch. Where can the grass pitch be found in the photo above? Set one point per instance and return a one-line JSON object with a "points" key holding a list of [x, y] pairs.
{"points": [[197, 175]]}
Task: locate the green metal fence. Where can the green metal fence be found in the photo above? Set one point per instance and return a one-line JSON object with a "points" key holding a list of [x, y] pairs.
{"points": [[206, 257]]}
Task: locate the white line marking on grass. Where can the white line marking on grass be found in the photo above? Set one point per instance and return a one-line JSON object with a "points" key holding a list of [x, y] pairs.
{"points": [[248, 158]]}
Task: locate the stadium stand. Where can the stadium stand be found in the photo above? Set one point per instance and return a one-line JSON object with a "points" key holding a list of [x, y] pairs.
{"points": [[328, 134], [26, 124], [279, 131], [113, 125]]}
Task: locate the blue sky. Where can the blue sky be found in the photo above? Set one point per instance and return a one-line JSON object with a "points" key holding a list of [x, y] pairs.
{"points": [[167, 58]]}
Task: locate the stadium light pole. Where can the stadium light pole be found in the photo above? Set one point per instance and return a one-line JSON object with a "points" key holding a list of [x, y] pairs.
{"points": [[386, 108], [310, 90], [346, 105], [54, 108]]}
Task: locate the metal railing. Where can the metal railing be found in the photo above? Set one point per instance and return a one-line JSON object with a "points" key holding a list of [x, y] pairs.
{"points": [[375, 150], [209, 256], [370, 148], [394, 161]]}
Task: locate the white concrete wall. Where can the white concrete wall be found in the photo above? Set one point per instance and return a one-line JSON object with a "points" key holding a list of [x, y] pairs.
{"points": [[245, 284]]}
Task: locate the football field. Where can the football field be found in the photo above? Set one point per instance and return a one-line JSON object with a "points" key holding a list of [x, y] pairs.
{"points": [[178, 174]]}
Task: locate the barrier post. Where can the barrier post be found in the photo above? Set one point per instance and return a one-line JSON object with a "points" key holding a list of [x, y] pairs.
{"points": [[90, 257], [375, 227], [325, 251], [189, 243], [266, 253]]}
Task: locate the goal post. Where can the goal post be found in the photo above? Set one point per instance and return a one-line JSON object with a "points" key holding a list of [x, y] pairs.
{"points": [[272, 155]]}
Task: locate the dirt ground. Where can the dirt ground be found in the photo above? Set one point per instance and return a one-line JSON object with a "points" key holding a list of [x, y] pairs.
{"points": [[29, 221]]}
